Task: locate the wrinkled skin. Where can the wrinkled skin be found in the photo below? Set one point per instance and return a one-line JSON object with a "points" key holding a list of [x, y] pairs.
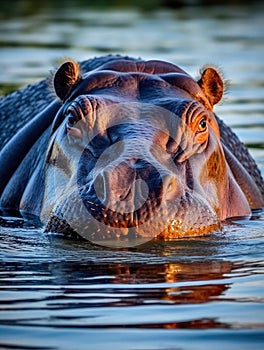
{"points": [[131, 151]]}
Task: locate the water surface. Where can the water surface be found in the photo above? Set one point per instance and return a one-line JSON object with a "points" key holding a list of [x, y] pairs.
{"points": [[188, 294]]}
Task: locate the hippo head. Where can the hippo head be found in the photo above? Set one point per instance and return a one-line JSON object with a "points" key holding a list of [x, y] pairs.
{"points": [[135, 154]]}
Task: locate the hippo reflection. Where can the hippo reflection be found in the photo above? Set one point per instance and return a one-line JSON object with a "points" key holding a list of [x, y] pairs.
{"points": [[131, 151]]}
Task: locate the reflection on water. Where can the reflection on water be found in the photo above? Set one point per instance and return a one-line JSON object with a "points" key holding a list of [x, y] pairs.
{"points": [[209, 291], [52, 286]]}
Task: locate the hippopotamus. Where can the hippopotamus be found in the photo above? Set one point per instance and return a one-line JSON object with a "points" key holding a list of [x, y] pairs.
{"points": [[121, 151]]}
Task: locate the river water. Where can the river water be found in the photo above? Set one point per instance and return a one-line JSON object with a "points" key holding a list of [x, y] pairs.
{"points": [[188, 294]]}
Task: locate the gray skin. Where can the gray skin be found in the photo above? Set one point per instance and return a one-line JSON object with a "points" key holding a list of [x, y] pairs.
{"points": [[127, 149]]}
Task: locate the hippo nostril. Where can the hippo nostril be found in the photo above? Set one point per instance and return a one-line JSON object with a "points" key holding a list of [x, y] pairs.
{"points": [[114, 185], [170, 186], [125, 196], [100, 188]]}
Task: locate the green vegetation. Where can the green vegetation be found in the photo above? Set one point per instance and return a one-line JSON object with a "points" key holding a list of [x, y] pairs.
{"points": [[29, 7], [8, 88]]}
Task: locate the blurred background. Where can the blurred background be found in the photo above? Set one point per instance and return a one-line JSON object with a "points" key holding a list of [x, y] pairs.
{"points": [[35, 35]]}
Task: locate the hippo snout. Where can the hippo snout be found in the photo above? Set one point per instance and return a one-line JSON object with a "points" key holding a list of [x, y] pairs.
{"points": [[127, 199], [129, 194]]}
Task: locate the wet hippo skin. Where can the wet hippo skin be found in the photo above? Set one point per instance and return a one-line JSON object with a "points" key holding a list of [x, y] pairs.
{"points": [[125, 150]]}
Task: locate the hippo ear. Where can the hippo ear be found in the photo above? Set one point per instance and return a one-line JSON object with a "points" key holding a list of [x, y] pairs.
{"points": [[66, 77], [212, 85]]}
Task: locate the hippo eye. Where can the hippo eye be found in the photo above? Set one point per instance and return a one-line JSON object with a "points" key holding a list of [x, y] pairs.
{"points": [[71, 120], [72, 116], [202, 125]]}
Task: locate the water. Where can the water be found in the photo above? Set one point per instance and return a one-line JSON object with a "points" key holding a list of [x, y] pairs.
{"points": [[189, 294]]}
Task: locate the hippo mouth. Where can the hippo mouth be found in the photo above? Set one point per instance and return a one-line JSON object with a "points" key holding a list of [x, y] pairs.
{"points": [[187, 216]]}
